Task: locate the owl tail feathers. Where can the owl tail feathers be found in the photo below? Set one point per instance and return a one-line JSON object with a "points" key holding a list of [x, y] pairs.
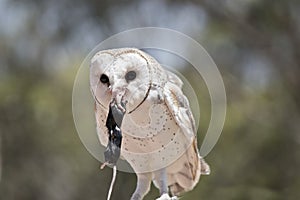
{"points": [[185, 173], [205, 169]]}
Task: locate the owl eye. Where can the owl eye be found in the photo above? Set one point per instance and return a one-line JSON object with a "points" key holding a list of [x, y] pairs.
{"points": [[130, 75], [104, 79]]}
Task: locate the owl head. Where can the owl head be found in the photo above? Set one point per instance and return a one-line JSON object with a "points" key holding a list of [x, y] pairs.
{"points": [[124, 76]]}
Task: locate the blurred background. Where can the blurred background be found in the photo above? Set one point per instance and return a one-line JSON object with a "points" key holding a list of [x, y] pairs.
{"points": [[255, 44]]}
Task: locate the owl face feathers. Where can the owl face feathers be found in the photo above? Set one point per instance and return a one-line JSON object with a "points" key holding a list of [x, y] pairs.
{"points": [[125, 75]]}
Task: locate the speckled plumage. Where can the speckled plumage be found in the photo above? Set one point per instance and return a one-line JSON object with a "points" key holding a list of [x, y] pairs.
{"points": [[159, 133]]}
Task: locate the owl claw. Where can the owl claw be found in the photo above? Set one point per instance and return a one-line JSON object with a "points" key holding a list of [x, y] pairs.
{"points": [[167, 197]]}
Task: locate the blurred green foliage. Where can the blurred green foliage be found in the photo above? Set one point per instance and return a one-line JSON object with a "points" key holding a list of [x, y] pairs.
{"points": [[254, 43]]}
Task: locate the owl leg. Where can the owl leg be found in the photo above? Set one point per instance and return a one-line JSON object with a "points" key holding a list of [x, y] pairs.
{"points": [[161, 182], [143, 186]]}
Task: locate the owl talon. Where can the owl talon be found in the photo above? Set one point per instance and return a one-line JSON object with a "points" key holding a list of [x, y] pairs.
{"points": [[167, 197]]}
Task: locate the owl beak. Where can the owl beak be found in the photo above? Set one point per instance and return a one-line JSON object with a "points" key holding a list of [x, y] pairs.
{"points": [[118, 100], [118, 94]]}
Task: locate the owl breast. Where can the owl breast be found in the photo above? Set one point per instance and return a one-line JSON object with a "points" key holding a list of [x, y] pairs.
{"points": [[151, 137]]}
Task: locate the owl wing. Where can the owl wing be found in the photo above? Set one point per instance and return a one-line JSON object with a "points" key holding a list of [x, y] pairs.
{"points": [[179, 106], [185, 172], [101, 115]]}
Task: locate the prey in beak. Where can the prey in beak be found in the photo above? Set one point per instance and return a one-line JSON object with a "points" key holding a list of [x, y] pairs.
{"points": [[113, 124]]}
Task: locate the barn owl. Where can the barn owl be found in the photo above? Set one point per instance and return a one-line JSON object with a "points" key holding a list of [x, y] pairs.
{"points": [[159, 133]]}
